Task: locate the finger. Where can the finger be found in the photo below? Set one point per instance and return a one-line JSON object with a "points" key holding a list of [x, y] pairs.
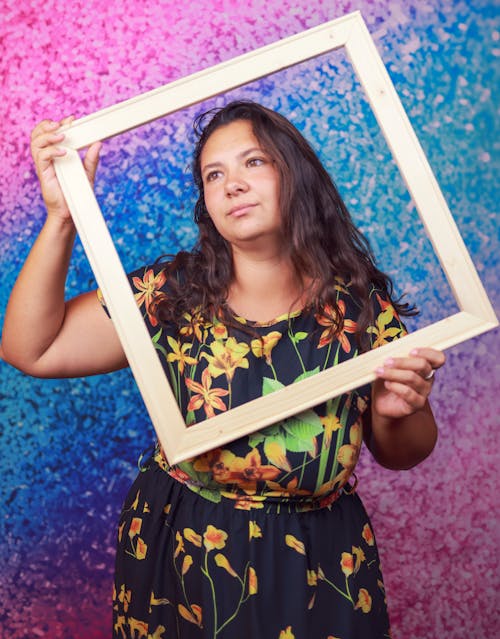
{"points": [[417, 365], [435, 358], [91, 159], [409, 395], [404, 376]]}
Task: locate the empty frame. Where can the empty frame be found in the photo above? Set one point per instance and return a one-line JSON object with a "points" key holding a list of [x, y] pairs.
{"points": [[349, 32]]}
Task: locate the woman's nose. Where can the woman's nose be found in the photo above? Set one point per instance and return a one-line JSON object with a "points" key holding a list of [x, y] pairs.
{"points": [[235, 184]]}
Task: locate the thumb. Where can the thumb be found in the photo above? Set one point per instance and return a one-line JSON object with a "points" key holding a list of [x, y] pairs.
{"points": [[91, 160]]}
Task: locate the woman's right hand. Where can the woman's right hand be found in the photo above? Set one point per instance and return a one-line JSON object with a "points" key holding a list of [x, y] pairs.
{"points": [[45, 141]]}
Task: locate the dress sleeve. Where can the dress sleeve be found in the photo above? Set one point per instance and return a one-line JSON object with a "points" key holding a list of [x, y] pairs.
{"points": [[386, 326], [148, 283]]}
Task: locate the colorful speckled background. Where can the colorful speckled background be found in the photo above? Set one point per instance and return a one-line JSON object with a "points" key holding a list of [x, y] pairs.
{"points": [[69, 448]]}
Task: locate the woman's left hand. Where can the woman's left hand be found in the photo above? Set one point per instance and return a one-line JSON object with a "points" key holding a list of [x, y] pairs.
{"points": [[405, 383]]}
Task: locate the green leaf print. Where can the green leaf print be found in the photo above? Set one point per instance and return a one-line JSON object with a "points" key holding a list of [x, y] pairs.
{"points": [[298, 337], [156, 337], [301, 431], [270, 385], [306, 375], [255, 439]]}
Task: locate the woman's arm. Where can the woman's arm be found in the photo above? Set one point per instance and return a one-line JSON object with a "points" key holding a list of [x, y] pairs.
{"points": [[400, 430], [42, 334]]}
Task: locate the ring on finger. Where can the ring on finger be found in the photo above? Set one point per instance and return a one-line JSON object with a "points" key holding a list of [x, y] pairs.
{"points": [[430, 375]]}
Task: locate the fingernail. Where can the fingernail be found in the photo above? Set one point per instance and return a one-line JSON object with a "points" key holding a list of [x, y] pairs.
{"points": [[414, 351], [379, 370], [389, 361]]}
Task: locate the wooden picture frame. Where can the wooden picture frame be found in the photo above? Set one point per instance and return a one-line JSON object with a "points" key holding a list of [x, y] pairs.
{"points": [[350, 33]]}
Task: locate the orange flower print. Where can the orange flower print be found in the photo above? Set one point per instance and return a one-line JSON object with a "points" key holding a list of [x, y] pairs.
{"points": [[196, 326], [348, 326], [290, 490], [178, 353], [263, 346], [148, 289], [287, 633], [135, 527], [216, 462], [347, 563], [214, 538], [193, 537], [243, 502], [294, 543], [246, 471], [226, 358], [364, 601], [367, 535], [206, 396], [222, 562], [252, 581], [194, 614]]}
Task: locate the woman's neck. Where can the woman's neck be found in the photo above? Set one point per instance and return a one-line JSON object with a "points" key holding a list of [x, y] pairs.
{"points": [[264, 287]]}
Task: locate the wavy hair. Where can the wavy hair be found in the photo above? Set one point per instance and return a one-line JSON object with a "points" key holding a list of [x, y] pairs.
{"points": [[323, 242]]}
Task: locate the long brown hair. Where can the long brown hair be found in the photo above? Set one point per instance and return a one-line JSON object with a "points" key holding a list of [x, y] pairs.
{"points": [[323, 242]]}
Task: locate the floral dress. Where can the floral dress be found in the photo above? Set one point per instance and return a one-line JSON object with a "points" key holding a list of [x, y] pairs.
{"points": [[264, 537]]}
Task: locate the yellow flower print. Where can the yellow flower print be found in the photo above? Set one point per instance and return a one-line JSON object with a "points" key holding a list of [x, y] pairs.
{"points": [[194, 614], [148, 289], [193, 537], [347, 563], [226, 358], [356, 434], [214, 538], [206, 396], [140, 549], [367, 535], [348, 455], [364, 600], [382, 334], [331, 424], [219, 331], [312, 578], [252, 581], [222, 562], [263, 346], [294, 543], [217, 462], [275, 451], [125, 597], [287, 633], [180, 544], [186, 564], [360, 557], [348, 326], [178, 354], [254, 530]]}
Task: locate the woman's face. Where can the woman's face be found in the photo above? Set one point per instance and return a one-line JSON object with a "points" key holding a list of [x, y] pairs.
{"points": [[241, 187]]}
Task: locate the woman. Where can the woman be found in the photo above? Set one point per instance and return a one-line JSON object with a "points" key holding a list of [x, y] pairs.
{"points": [[266, 536]]}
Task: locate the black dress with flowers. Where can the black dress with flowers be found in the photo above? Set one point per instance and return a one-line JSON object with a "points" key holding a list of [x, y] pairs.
{"points": [[264, 538]]}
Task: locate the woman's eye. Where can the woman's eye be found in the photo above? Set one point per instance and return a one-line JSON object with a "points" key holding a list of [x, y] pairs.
{"points": [[213, 175], [255, 161]]}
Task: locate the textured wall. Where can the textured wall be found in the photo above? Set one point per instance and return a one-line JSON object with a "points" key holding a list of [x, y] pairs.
{"points": [[69, 448]]}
